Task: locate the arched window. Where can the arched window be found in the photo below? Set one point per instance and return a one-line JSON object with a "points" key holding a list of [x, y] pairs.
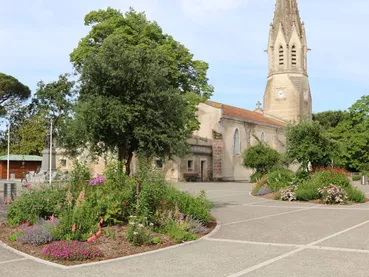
{"points": [[281, 56], [294, 56], [262, 136], [236, 143]]}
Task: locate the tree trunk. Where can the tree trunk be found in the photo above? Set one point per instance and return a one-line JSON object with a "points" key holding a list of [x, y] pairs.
{"points": [[125, 156]]}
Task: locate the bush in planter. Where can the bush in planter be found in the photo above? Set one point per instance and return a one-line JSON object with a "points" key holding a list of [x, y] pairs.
{"points": [[355, 195], [288, 194], [39, 233], [256, 177], [333, 194], [35, 204], [324, 178], [280, 178]]}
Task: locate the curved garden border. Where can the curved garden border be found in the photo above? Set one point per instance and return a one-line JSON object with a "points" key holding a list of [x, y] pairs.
{"points": [[30, 257]]}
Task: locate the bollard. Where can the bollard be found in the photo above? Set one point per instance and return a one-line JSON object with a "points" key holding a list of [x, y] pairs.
{"points": [[363, 180], [10, 191]]}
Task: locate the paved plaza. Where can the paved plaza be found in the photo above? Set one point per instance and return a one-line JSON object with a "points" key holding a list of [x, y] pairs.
{"points": [[255, 237]]}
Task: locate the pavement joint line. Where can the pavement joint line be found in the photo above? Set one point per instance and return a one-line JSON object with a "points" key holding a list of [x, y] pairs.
{"points": [[256, 242], [269, 216], [13, 261], [304, 247], [338, 249], [55, 265]]}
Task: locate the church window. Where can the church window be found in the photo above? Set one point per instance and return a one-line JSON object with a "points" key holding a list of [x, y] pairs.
{"points": [[294, 56], [262, 136], [236, 143], [281, 56], [190, 166]]}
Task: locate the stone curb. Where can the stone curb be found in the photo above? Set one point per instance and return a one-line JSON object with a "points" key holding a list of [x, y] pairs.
{"points": [[38, 260]]}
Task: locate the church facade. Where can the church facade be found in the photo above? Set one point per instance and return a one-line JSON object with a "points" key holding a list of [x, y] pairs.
{"points": [[226, 131]]}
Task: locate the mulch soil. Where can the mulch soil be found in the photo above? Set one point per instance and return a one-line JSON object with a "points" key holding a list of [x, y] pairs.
{"points": [[113, 246]]}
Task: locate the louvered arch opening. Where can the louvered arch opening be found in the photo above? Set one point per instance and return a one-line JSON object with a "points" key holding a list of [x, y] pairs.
{"points": [[281, 56], [294, 56]]}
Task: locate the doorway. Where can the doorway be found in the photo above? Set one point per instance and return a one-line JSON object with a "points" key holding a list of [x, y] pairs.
{"points": [[202, 171]]}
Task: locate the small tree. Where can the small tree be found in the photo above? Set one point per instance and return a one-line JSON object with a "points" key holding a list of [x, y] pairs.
{"points": [[309, 142], [261, 157]]}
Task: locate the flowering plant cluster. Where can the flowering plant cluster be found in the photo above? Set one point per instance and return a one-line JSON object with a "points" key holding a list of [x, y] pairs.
{"points": [[99, 180], [139, 231], [288, 194], [71, 251], [333, 195], [39, 233]]}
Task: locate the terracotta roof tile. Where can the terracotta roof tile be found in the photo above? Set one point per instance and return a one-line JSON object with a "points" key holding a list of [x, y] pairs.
{"points": [[244, 114]]}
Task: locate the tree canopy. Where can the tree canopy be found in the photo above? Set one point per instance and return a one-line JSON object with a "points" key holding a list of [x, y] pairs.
{"points": [[353, 135], [134, 29], [127, 103], [329, 119], [11, 92], [308, 142], [261, 157]]}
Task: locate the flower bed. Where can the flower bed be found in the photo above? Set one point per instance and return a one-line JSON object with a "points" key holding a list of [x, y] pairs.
{"points": [[107, 217], [325, 186]]}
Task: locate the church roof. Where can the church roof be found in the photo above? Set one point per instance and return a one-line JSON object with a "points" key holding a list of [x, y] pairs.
{"points": [[244, 114], [287, 14]]}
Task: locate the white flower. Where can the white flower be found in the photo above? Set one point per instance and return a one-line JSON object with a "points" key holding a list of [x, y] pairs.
{"points": [[140, 225], [132, 216], [132, 223], [135, 233], [151, 224]]}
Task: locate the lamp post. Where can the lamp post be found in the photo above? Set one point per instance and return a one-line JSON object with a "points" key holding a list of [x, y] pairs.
{"points": [[51, 151], [8, 160]]}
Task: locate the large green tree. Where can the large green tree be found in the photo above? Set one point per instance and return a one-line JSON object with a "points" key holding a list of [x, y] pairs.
{"points": [[133, 28], [353, 135], [139, 89], [329, 119], [12, 92], [127, 104], [308, 142], [54, 102]]}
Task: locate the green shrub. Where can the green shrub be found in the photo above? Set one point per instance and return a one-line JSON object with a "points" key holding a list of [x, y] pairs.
{"points": [[35, 204], [119, 196], [324, 178], [356, 177], [355, 195], [306, 193], [179, 233], [156, 240], [302, 176], [279, 179], [78, 220], [79, 177], [256, 177], [261, 157]]}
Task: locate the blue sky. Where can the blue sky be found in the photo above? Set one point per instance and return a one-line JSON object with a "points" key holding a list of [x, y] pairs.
{"points": [[36, 38]]}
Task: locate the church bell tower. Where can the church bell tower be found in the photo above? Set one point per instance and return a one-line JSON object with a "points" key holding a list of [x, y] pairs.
{"points": [[287, 96]]}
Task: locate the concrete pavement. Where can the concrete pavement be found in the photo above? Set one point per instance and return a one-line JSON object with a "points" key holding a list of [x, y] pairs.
{"points": [[256, 237]]}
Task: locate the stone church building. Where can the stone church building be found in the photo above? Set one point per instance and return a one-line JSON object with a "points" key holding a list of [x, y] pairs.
{"points": [[226, 131]]}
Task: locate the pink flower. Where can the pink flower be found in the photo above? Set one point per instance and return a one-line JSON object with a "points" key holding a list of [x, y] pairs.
{"points": [[74, 228], [52, 218], [81, 196]]}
